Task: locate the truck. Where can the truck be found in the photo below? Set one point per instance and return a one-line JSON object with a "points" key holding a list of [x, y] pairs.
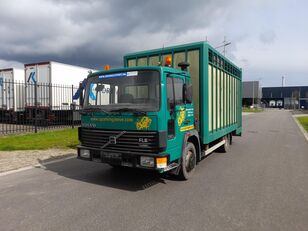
{"points": [[11, 92], [164, 110], [50, 87]]}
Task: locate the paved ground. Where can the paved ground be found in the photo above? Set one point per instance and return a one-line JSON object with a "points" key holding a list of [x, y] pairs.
{"points": [[11, 160], [261, 184]]}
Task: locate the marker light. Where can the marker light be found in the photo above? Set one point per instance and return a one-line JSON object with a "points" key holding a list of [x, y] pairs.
{"points": [[107, 67], [161, 162], [168, 61]]}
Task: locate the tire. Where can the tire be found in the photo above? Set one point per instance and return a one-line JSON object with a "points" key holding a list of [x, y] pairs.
{"points": [[226, 146], [188, 163]]}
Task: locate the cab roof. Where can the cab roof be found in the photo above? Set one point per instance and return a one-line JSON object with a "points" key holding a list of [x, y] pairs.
{"points": [[125, 69]]}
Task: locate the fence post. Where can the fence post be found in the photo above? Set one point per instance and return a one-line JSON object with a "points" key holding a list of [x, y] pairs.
{"points": [[35, 107], [73, 106]]}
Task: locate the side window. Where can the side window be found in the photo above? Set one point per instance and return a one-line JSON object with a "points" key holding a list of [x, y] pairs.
{"points": [[178, 91], [170, 93]]}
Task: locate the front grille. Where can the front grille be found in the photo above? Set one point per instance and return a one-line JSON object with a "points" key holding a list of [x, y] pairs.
{"points": [[129, 142]]}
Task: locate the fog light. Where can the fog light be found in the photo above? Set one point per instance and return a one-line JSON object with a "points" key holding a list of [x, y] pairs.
{"points": [[161, 162], [85, 153], [147, 161]]}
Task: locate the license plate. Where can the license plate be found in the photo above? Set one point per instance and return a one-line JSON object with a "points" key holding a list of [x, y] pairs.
{"points": [[111, 155]]}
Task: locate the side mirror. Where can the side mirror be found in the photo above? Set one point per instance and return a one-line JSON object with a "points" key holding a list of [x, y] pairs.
{"points": [[187, 93]]}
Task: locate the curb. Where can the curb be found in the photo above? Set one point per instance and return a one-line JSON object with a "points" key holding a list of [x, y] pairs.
{"points": [[300, 127], [42, 166]]}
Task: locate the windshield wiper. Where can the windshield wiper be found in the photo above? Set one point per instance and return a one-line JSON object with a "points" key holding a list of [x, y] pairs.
{"points": [[94, 109], [126, 109]]}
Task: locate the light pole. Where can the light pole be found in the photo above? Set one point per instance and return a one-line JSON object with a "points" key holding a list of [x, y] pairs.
{"points": [[253, 90], [253, 93]]}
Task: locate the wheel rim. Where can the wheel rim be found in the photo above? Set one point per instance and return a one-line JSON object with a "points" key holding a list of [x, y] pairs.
{"points": [[189, 161]]}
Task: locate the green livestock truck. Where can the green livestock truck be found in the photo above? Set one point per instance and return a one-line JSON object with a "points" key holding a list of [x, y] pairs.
{"points": [[165, 110]]}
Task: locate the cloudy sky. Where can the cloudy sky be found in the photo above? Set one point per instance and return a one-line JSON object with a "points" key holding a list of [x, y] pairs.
{"points": [[269, 38]]}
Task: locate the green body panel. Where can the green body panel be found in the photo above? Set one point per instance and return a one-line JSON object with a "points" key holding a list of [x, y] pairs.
{"points": [[154, 121], [123, 121], [216, 107], [217, 99]]}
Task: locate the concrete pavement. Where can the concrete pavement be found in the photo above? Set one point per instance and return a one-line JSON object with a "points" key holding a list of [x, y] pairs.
{"points": [[261, 184]]}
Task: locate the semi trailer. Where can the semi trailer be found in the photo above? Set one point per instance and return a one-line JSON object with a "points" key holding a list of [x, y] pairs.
{"points": [[41, 92], [45, 75], [50, 87], [164, 110], [11, 93]]}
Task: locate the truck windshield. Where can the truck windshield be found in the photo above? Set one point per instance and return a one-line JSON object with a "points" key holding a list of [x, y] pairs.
{"points": [[124, 91]]}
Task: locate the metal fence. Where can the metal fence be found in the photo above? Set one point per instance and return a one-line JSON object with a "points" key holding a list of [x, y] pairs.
{"points": [[30, 107]]}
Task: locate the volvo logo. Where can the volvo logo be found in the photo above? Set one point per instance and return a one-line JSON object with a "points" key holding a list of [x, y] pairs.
{"points": [[112, 139]]}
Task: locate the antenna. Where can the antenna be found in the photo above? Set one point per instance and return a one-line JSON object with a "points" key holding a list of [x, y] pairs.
{"points": [[225, 43]]}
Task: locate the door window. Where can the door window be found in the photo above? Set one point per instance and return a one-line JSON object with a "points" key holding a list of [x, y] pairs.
{"points": [[178, 91], [170, 94]]}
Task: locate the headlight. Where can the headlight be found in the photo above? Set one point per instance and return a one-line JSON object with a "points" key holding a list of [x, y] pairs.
{"points": [[85, 153], [147, 161]]}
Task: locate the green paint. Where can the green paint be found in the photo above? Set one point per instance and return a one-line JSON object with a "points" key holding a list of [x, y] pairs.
{"points": [[184, 115]]}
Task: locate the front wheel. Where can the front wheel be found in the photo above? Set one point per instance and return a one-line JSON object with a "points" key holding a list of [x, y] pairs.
{"points": [[188, 165]]}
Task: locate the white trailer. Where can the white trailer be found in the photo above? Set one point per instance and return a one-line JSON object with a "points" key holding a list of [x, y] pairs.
{"points": [[54, 82], [12, 93]]}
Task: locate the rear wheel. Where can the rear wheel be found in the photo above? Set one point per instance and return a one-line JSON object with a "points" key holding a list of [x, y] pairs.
{"points": [[188, 165], [226, 146]]}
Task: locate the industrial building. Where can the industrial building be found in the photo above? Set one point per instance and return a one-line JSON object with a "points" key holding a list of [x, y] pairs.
{"points": [[286, 97], [251, 93]]}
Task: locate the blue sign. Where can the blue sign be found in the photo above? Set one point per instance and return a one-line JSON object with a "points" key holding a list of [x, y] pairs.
{"points": [[120, 74], [115, 75], [32, 77]]}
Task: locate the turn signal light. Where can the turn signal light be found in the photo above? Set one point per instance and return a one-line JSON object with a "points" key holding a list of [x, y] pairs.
{"points": [[161, 162], [168, 61], [107, 67]]}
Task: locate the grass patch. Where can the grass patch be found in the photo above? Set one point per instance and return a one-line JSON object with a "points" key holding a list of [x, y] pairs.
{"points": [[246, 109], [63, 139], [303, 120]]}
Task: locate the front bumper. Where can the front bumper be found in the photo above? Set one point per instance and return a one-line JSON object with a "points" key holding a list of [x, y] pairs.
{"points": [[128, 159]]}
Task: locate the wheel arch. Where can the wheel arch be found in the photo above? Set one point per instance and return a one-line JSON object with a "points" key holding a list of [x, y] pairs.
{"points": [[193, 137]]}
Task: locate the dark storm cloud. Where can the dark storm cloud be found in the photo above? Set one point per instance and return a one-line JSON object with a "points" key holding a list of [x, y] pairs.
{"points": [[91, 33]]}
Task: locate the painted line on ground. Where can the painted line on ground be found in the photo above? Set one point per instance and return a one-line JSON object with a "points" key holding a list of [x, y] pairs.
{"points": [[42, 166]]}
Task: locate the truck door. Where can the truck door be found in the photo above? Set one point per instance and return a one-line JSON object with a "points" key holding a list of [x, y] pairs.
{"points": [[176, 111]]}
